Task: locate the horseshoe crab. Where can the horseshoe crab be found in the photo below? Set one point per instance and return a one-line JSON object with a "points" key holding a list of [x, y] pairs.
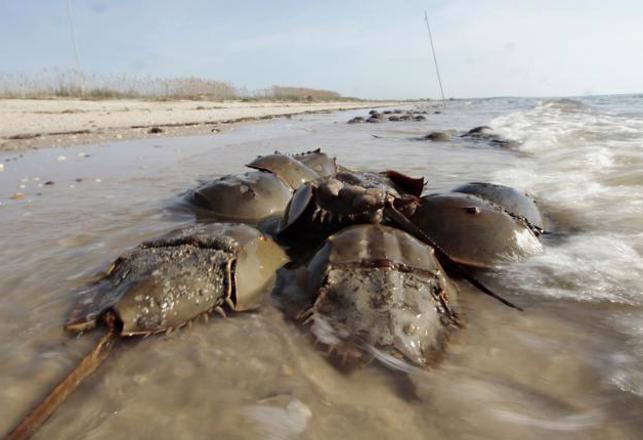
{"points": [[472, 231], [486, 134], [321, 163], [437, 136], [518, 204], [255, 197], [249, 198], [324, 206], [379, 288], [327, 204], [162, 285], [293, 172]]}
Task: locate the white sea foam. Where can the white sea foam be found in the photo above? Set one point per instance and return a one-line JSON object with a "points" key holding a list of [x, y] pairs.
{"points": [[574, 422], [585, 167], [278, 423], [625, 366], [586, 267]]}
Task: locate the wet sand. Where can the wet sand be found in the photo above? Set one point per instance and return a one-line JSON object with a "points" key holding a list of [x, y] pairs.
{"points": [[38, 123]]}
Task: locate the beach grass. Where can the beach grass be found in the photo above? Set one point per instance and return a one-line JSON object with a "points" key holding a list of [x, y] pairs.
{"points": [[69, 83]]}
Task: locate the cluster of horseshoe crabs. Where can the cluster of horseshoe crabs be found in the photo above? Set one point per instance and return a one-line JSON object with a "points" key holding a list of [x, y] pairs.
{"points": [[380, 260]]}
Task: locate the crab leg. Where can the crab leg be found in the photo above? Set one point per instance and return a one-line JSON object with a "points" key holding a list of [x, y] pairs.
{"points": [[405, 224], [39, 415]]}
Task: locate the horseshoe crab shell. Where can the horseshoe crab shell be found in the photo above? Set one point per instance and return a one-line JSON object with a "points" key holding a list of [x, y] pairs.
{"points": [[330, 203], [293, 172], [249, 198], [319, 162], [472, 231], [164, 283], [346, 198], [379, 287], [516, 203]]}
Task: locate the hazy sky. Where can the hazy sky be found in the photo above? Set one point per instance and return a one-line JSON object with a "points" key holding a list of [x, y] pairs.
{"points": [[365, 48]]}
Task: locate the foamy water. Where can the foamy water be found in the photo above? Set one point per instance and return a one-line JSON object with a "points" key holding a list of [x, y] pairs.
{"points": [[587, 168], [570, 366]]}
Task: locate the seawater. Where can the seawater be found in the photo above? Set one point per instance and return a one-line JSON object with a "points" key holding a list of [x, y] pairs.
{"points": [[570, 366]]}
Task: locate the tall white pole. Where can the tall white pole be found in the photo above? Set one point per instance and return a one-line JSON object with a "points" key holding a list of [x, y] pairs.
{"points": [[435, 59]]}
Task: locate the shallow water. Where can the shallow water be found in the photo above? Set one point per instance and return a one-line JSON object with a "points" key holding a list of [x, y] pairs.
{"points": [[570, 366]]}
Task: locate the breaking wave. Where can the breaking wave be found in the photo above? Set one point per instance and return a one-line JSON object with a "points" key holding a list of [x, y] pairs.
{"points": [[586, 168], [585, 165]]}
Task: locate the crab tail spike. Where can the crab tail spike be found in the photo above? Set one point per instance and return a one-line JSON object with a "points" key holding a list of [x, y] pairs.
{"points": [[404, 223], [484, 289], [39, 415]]}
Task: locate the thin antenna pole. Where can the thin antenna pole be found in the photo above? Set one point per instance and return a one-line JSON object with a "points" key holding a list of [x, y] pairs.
{"points": [[73, 41], [435, 59]]}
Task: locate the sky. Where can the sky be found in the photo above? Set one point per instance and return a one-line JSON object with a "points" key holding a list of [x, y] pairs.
{"points": [[364, 48]]}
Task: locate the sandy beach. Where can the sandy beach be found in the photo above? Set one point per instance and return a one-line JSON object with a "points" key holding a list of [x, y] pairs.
{"points": [[38, 123]]}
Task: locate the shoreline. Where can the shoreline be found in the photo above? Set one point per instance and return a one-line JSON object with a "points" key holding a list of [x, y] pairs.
{"points": [[51, 123]]}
